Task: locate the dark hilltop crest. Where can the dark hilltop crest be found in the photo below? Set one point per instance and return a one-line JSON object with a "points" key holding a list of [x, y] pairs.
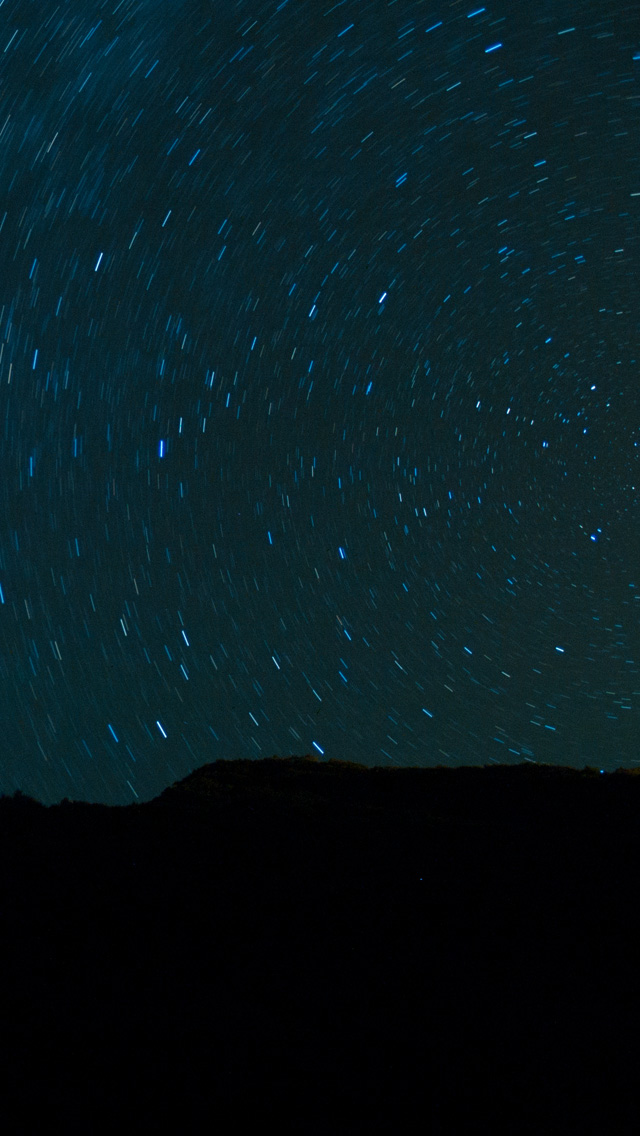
{"points": [[492, 794], [295, 779], [328, 944]]}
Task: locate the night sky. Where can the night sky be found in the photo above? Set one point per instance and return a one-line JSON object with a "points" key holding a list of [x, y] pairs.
{"points": [[318, 386]]}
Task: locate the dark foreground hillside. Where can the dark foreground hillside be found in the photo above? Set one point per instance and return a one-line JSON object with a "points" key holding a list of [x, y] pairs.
{"points": [[328, 948]]}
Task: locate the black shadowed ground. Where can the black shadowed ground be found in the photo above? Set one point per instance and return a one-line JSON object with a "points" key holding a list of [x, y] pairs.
{"points": [[325, 945]]}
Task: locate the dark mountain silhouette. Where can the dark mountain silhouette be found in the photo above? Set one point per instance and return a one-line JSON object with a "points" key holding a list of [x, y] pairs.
{"points": [[323, 947]]}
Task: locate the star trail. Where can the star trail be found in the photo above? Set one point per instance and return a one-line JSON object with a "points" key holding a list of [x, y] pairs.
{"points": [[318, 386]]}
